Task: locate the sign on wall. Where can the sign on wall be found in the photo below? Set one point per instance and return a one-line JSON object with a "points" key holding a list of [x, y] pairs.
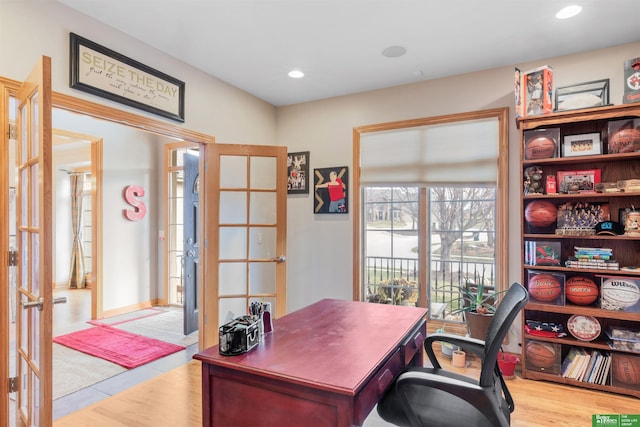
{"points": [[139, 208], [100, 71]]}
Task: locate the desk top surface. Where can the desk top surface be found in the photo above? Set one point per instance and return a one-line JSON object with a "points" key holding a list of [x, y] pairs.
{"points": [[331, 344]]}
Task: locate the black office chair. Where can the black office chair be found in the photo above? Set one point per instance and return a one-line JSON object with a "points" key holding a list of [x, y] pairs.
{"points": [[424, 396]]}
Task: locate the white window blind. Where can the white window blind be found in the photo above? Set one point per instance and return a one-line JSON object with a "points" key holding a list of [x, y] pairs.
{"points": [[460, 152]]}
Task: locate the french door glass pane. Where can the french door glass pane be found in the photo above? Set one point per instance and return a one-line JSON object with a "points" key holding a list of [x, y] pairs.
{"points": [[233, 172], [263, 173], [262, 278], [232, 278]]}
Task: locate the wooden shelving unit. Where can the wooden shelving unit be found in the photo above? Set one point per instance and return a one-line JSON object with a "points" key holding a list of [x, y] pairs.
{"points": [[626, 249]]}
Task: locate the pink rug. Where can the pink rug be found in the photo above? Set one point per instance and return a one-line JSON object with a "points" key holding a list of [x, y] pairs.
{"points": [[115, 345]]}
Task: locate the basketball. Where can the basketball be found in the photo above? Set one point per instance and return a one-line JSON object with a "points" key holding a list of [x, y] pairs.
{"points": [[540, 213], [540, 354], [544, 287], [620, 292], [581, 290], [625, 141], [541, 147], [626, 369]]}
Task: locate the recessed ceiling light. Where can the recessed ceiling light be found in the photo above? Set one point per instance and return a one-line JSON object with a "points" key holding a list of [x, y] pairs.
{"points": [[296, 74], [569, 12], [394, 51]]}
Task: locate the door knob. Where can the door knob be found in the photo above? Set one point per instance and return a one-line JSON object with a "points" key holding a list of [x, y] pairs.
{"points": [[38, 303]]}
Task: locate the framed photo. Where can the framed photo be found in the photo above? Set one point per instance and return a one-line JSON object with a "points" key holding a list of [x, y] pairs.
{"points": [[583, 95], [575, 182], [103, 72], [582, 215], [331, 185], [298, 173], [581, 145]]}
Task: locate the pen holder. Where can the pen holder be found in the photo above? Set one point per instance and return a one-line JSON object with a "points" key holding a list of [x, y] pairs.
{"points": [[266, 317]]}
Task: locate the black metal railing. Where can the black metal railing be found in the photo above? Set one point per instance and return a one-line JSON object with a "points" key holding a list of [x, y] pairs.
{"points": [[395, 280]]}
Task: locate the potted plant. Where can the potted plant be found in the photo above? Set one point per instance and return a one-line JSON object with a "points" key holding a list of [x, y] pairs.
{"points": [[479, 304]]}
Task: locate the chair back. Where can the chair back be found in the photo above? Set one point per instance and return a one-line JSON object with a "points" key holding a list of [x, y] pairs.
{"points": [[512, 302]]}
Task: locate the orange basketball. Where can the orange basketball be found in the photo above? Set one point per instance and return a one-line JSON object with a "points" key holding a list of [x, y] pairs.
{"points": [[540, 213], [544, 287], [624, 141], [541, 147], [540, 354], [626, 369], [581, 290]]}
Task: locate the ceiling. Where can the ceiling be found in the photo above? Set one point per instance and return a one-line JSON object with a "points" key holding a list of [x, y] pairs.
{"points": [[338, 44]]}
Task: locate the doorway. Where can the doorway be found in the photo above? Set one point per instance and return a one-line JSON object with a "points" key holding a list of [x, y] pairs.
{"points": [[207, 277]]}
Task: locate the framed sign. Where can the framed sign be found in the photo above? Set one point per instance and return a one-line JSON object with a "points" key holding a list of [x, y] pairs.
{"points": [[102, 72], [298, 173]]}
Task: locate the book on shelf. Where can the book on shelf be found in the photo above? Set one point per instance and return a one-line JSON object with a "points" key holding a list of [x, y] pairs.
{"points": [[597, 257], [590, 366], [586, 264], [572, 365], [584, 362], [605, 372], [597, 366], [592, 250]]}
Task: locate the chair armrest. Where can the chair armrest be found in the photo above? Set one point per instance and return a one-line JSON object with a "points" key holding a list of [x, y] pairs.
{"points": [[470, 392], [469, 344]]}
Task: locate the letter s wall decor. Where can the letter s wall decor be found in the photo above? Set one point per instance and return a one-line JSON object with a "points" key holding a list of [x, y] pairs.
{"points": [[140, 210]]}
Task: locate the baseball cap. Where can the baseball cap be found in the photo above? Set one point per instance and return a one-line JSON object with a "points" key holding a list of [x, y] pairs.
{"points": [[611, 228]]}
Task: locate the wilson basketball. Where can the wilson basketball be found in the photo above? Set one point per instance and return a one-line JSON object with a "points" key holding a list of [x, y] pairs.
{"points": [[541, 147], [544, 287], [581, 290], [620, 292], [540, 213], [540, 354], [625, 141], [626, 369]]}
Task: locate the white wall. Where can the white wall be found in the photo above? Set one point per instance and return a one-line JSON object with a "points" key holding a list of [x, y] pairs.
{"points": [[29, 29], [320, 246], [131, 266]]}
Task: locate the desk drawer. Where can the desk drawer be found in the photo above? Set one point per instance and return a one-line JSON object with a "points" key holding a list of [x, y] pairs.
{"points": [[374, 389], [413, 344]]}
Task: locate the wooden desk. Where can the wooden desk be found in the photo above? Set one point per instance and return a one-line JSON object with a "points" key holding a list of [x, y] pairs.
{"points": [[327, 364]]}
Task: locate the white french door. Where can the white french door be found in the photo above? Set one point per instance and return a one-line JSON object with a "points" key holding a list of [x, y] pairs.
{"points": [[247, 210], [33, 235]]}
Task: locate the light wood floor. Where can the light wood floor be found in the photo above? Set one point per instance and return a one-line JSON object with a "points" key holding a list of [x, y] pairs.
{"points": [[174, 399]]}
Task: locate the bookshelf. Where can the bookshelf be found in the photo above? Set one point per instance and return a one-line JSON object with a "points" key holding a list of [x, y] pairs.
{"points": [[598, 184]]}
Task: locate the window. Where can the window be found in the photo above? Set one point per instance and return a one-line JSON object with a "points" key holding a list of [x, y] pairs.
{"points": [[433, 215], [390, 219]]}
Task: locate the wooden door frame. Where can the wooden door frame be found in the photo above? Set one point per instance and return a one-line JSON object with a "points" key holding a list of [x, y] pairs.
{"points": [[96, 216], [69, 103]]}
